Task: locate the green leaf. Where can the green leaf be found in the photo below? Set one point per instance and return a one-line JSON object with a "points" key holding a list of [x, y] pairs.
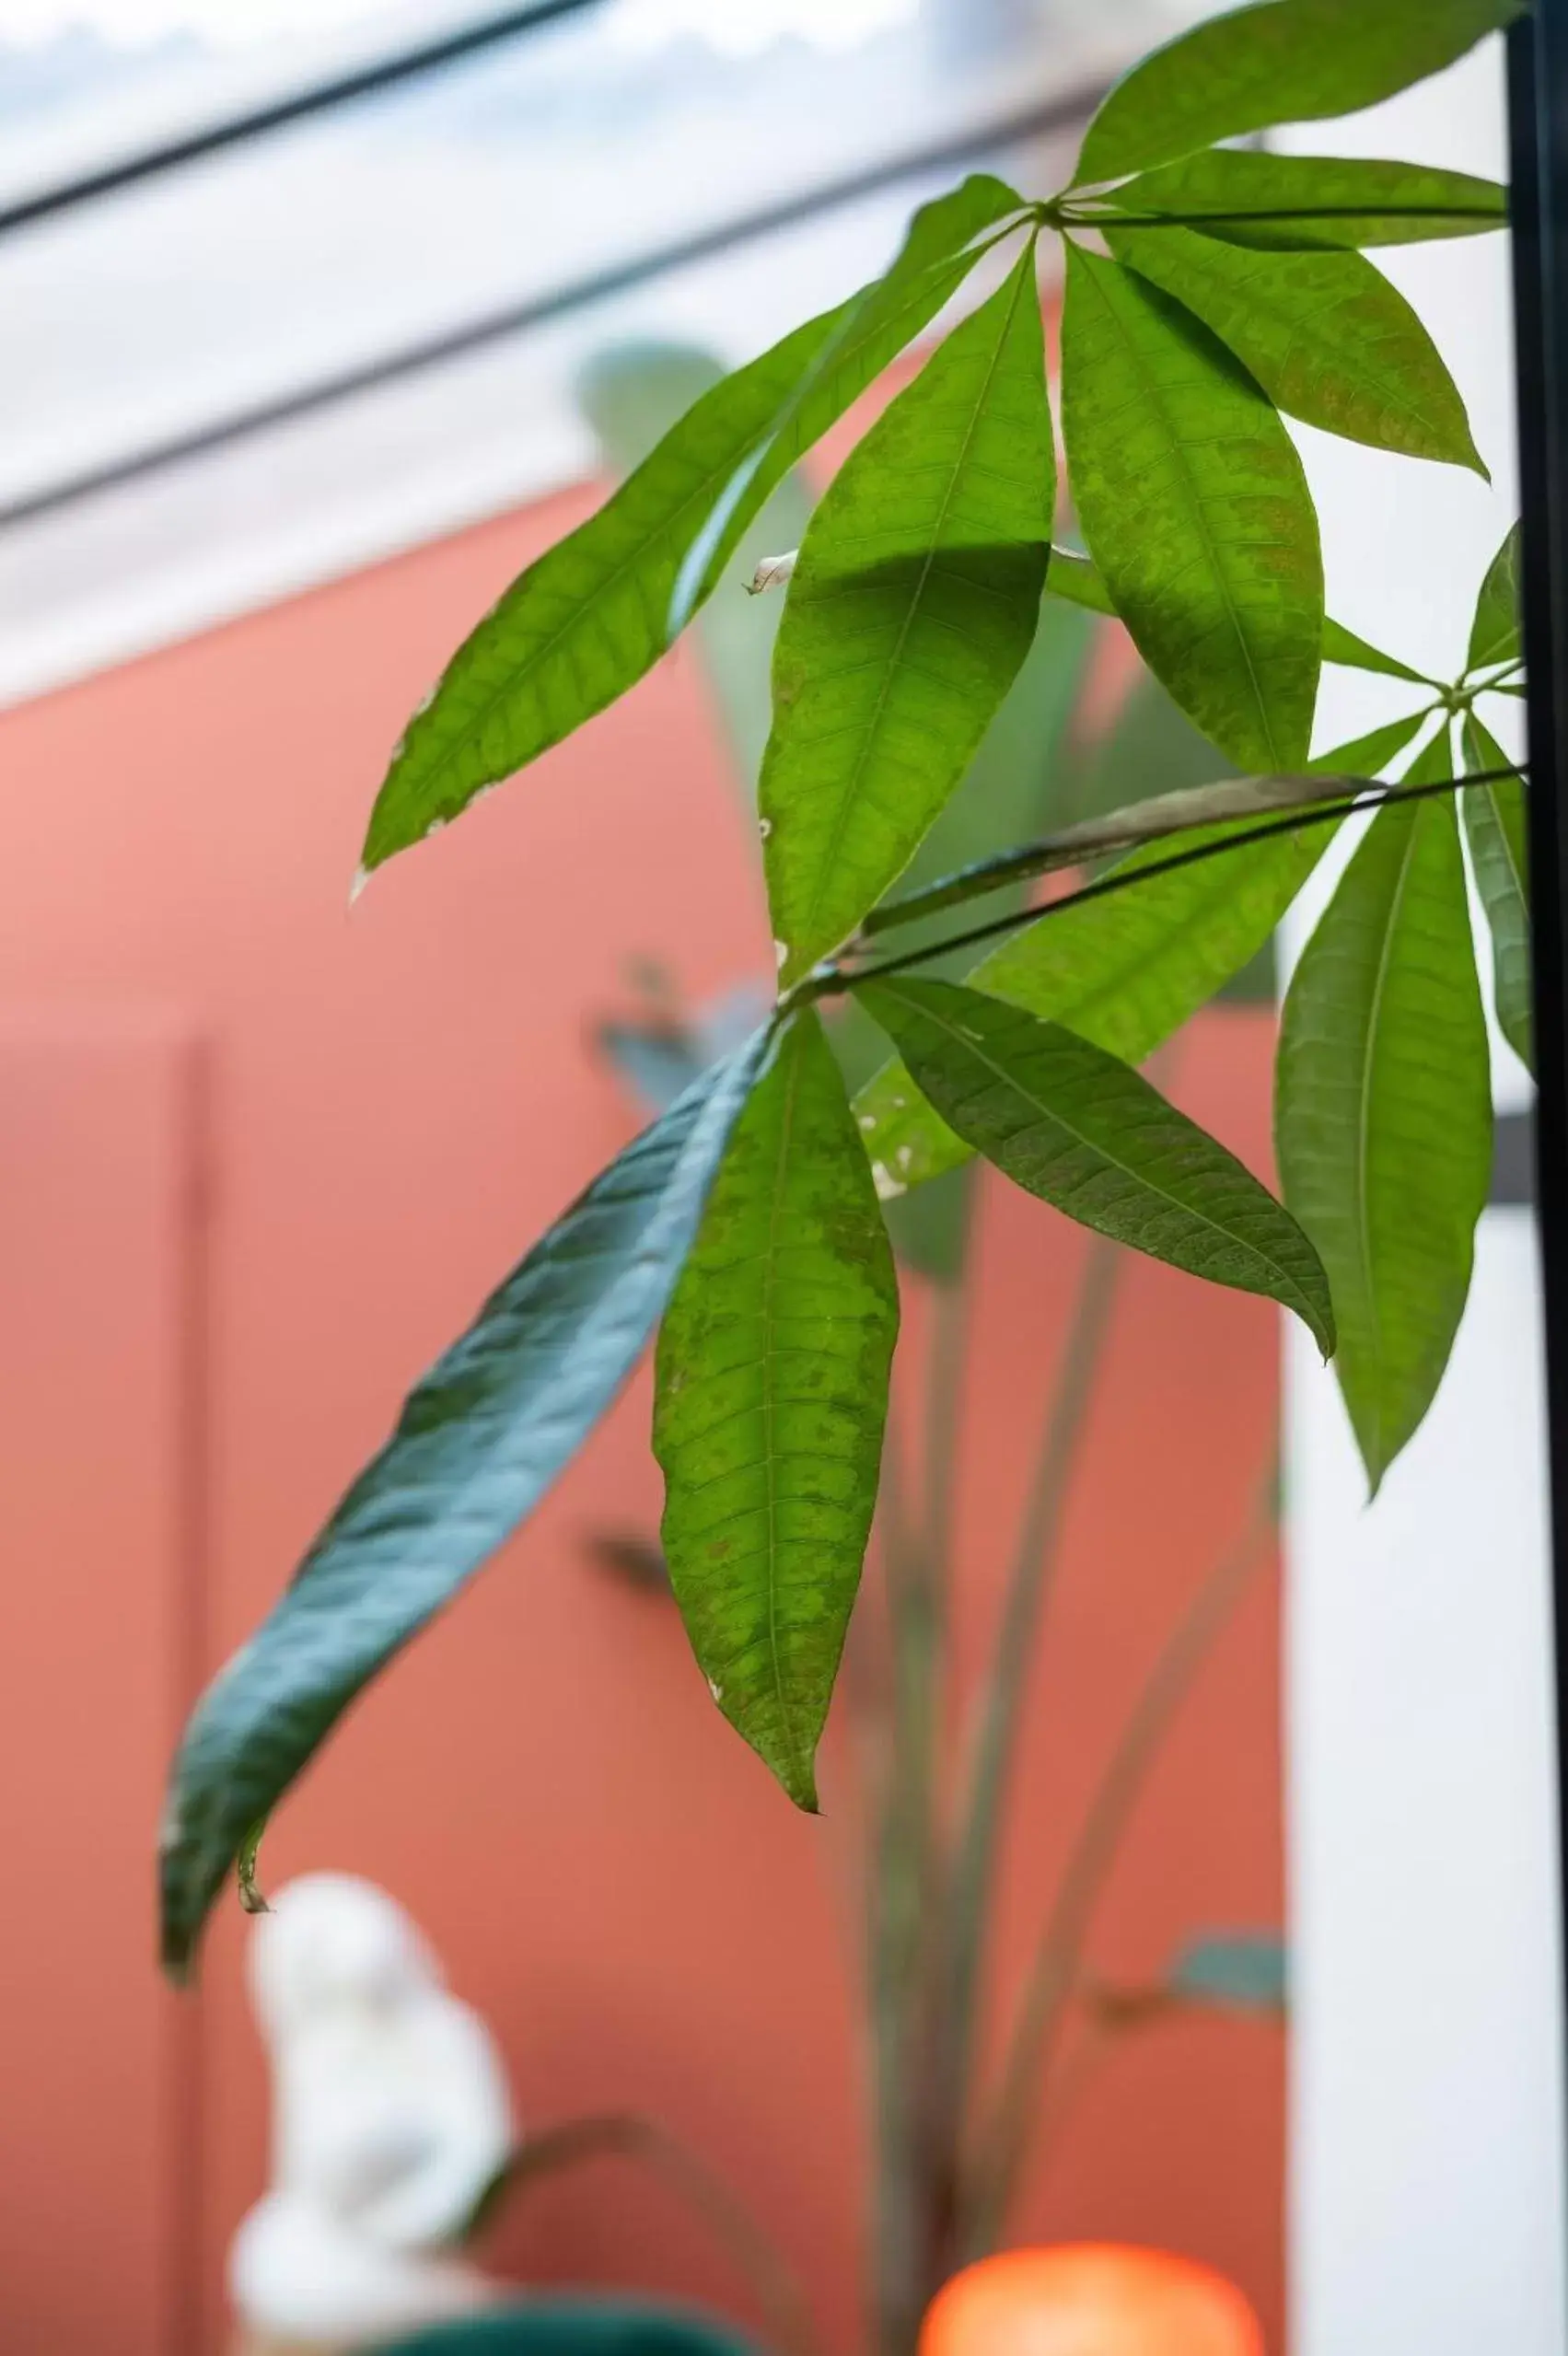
{"points": [[1497, 830], [1196, 509], [912, 610], [1382, 1109], [1245, 1971], [1325, 334], [1016, 784], [1011, 791], [1287, 60], [1343, 647], [479, 1442], [773, 1394], [1370, 755], [1229, 800], [1070, 1123], [929, 1231], [583, 623], [634, 393], [1237, 1972], [938, 253], [1127, 971], [1289, 202], [1496, 635], [1080, 581], [1152, 737]]}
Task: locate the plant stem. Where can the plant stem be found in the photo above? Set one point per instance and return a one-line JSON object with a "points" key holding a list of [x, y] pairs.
{"points": [[1112, 835], [968, 1908], [1004, 2145], [1282, 216], [623, 2134], [907, 1864], [899, 1885], [834, 982], [944, 1418]]}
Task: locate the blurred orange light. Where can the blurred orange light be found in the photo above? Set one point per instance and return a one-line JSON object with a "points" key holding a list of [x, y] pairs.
{"points": [[1090, 2299]]}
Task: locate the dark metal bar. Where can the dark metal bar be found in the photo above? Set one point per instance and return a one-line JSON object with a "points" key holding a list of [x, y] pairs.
{"points": [[455, 343], [1538, 79], [317, 98]]}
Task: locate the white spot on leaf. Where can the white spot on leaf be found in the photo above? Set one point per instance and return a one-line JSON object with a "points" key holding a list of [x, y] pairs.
{"points": [[716, 1688], [781, 951], [360, 877], [888, 1188]]}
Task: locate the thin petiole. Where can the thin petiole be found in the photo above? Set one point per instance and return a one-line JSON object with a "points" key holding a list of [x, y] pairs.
{"points": [[833, 982], [1282, 215]]}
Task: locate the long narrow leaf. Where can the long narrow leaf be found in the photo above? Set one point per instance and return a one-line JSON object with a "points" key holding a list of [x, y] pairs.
{"points": [[1327, 336], [1287, 61], [1292, 201], [634, 393], [1497, 830], [1075, 1126], [1014, 785], [1229, 799], [772, 1393], [479, 1442], [912, 610], [938, 253], [583, 623], [1196, 509], [1343, 647], [1496, 635], [1126, 971], [1383, 1114], [1080, 580]]}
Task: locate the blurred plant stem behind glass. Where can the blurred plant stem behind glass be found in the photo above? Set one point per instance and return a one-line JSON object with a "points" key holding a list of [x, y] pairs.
{"points": [[1085, 730]]}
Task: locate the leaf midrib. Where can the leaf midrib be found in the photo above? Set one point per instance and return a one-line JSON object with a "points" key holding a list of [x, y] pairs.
{"points": [[974, 1048], [1179, 449], [1364, 1123], [766, 439], [1267, 302]]}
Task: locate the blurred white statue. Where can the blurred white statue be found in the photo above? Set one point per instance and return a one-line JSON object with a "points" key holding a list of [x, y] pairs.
{"points": [[390, 2118]]}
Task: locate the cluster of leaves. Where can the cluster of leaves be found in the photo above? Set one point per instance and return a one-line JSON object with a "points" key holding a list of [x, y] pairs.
{"points": [[1208, 291]]}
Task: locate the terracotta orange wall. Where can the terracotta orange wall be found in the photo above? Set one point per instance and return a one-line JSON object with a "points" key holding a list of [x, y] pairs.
{"points": [[264, 1158]]}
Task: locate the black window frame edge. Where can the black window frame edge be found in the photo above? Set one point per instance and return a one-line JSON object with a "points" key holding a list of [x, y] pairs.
{"points": [[1537, 108]]}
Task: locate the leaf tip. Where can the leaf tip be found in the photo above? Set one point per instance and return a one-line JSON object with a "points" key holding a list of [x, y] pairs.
{"points": [[1375, 1464], [177, 1941]]}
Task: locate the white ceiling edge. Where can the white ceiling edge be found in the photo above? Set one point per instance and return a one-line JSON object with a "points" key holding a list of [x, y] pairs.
{"points": [[122, 573]]}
